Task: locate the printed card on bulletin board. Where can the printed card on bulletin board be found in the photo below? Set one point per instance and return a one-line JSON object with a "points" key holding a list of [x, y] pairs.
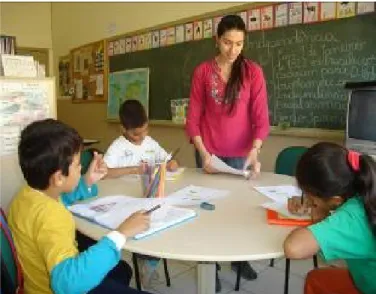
{"points": [[89, 71]]}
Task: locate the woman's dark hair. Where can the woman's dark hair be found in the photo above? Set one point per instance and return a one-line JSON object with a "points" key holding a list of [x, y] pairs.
{"points": [[325, 171], [227, 23]]}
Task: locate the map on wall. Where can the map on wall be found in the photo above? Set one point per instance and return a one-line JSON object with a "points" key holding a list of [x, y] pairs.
{"points": [[21, 102], [125, 85]]}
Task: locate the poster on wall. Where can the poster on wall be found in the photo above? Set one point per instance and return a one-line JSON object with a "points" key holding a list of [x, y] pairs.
{"points": [[147, 41], [267, 19], [295, 13], [197, 30], [311, 12], [155, 39], [125, 85], [328, 11], [254, 20], [189, 31], [208, 28], [179, 34], [122, 46], [134, 43], [171, 36], [281, 15], [128, 45], [366, 7], [163, 38], [345, 9]]}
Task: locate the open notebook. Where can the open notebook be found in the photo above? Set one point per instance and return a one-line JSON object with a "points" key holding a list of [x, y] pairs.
{"points": [[111, 211]]}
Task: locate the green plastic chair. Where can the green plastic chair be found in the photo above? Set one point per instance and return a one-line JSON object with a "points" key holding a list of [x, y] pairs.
{"points": [[287, 160], [11, 272], [285, 164]]}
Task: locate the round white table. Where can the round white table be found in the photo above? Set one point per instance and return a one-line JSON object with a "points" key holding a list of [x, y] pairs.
{"points": [[235, 231]]}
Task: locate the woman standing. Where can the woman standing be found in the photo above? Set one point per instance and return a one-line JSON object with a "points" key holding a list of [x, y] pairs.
{"points": [[228, 111]]}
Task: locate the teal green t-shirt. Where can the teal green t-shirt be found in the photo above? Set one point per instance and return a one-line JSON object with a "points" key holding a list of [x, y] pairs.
{"points": [[347, 235]]}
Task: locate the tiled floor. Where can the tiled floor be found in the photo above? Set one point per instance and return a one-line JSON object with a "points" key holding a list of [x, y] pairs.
{"points": [[270, 279]]}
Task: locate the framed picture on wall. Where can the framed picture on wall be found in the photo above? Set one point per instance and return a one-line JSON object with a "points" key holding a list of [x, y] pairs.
{"points": [[126, 85]]}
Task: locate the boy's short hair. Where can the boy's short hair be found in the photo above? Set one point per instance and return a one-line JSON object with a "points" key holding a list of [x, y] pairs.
{"points": [[45, 147], [132, 114]]}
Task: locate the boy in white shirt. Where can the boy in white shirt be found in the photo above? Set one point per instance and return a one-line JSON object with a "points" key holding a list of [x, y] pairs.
{"points": [[125, 154]]}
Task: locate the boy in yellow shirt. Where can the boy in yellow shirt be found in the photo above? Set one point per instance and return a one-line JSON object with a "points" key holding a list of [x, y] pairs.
{"points": [[44, 230]]}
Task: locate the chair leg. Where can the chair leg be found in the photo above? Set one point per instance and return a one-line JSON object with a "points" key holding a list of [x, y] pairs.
{"points": [[136, 271], [238, 275], [315, 262], [271, 264], [287, 276], [167, 274]]}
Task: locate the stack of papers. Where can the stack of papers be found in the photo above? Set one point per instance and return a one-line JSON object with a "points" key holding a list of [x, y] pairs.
{"points": [[279, 196], [111, 211], [195, 195], [222, 167]]}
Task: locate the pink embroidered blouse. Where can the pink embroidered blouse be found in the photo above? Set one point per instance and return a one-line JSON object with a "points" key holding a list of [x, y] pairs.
{"points": [[223, 134]]}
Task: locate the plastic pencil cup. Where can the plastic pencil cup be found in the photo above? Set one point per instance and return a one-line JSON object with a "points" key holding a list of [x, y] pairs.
{"points": [[161, 177], [145, 177]]}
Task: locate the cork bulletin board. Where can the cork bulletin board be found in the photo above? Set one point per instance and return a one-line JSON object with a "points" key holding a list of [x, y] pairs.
{"points": [[89, 73]]}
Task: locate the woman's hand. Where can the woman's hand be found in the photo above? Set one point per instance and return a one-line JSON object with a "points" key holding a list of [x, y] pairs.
{"points": [[253, 162], [206, 159]]}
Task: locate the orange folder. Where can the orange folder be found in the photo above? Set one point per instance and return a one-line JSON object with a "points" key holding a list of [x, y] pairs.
{"points": [[274, 218]]}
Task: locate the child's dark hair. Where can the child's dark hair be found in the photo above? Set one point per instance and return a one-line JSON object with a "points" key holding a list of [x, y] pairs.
{"points": [[45, 147], [132, 114], [227, 23], [325, 171]]}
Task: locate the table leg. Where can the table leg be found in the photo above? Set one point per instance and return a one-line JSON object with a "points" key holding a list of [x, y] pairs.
{"points": [[206, 277]]}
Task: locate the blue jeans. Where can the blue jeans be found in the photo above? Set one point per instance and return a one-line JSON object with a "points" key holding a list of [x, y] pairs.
{"points": [[235, 162]]}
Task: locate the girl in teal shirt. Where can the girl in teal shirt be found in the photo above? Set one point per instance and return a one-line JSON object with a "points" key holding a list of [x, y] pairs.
{"points": [[339, 187]]}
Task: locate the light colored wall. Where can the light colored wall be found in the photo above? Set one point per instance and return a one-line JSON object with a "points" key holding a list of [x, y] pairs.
{"points": [[30, 23], [74, 24]]}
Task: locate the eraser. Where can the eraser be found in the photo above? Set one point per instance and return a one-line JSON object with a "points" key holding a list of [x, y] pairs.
{"points": [[207, 206]]}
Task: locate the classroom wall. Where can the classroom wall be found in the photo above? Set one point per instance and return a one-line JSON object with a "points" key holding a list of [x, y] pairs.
{"points": [[30, 23], [100, 20]]}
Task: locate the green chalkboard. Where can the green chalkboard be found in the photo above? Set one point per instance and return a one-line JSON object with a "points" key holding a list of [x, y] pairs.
{"points": [[305, 68]]}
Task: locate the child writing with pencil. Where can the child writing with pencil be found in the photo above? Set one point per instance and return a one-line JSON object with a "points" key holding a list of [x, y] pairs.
{"points": [[44, 230], [126, 155], [340, 186], [134, 146]]}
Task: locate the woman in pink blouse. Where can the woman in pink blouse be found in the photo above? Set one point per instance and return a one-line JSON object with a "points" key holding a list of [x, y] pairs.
{"points": [[228, 110]]}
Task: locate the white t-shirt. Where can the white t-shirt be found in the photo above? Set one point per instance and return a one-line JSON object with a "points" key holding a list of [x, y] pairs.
{"points": [[123, 153]]}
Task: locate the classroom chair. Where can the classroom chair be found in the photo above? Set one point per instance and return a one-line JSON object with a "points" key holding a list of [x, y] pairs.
{"points": [[285, 164], [11, 273]]}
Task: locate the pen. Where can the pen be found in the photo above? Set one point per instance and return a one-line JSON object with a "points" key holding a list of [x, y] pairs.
{"points": [[152, 209], [175, 153], [302, 199]]}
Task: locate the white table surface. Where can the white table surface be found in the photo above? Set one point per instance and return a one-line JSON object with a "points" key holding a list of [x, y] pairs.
{"points": [[235, 231]]}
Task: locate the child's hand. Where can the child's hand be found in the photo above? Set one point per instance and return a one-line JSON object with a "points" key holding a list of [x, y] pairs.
{"points": [[295, 206], [97, 169], [172, 165], [135, 224]]}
